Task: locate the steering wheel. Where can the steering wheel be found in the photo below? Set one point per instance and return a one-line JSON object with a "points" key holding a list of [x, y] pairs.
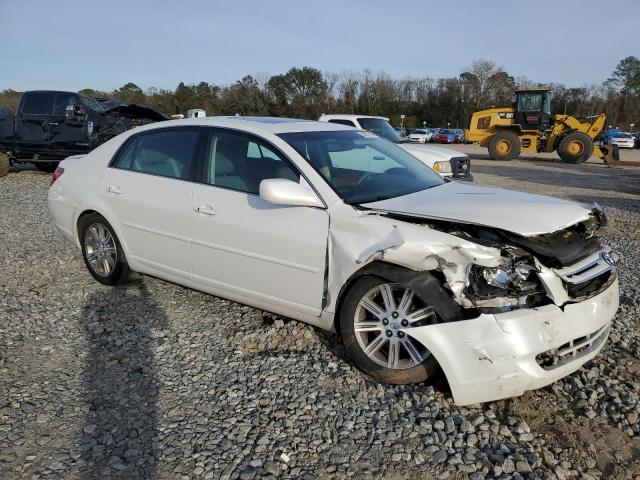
{"points": [[399, 171], [362, 180]]}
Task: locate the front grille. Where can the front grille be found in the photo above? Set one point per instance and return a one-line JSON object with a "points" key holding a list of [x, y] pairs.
{"points": [[461, 167], [590, 287], [590, 275], [572, 350]]}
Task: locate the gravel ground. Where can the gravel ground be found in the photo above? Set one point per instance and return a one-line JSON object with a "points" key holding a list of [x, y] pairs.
{"points": [[152, 380]]}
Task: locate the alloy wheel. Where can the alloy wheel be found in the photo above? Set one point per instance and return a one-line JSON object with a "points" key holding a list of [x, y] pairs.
{"points": [[383, 321], [100, 249]]}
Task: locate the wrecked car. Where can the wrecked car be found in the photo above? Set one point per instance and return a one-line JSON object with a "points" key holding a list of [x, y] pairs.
{"points": [[50, 125], [503, 291]]}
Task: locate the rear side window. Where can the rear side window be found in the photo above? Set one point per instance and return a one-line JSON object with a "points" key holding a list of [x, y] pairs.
{"points": [[38, 104], [168, 153]]}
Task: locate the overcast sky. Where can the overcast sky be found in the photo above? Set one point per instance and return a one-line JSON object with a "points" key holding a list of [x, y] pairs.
{"points": [[75, 44]]}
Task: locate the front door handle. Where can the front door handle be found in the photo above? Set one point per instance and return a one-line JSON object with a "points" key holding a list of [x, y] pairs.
{"points": [[54, 123], [115, 190], [204, 209]]}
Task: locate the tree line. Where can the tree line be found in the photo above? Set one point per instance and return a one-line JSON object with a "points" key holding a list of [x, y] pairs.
{"points": [[307, 92]]}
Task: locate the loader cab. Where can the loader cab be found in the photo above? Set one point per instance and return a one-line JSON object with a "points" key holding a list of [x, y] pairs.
{"points": [[532, 109]]}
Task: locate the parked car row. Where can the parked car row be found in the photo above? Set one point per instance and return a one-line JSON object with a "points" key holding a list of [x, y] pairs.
{"points": [[623, 140], [617, 136], [436, 135]]}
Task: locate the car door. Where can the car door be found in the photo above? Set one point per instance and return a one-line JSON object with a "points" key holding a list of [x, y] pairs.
{"points": [[67, 135], [245, 246], [148, 188], [32, 123]]}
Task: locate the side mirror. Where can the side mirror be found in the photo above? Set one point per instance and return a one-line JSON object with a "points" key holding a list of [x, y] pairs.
{"points": [[280, 191]]}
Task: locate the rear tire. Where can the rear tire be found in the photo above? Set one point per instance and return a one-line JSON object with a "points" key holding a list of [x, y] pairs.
{"points": [[616, 152], [101, 250], [504, 146], [368, 337], [48, 167], [575, 147], [5, 164]]}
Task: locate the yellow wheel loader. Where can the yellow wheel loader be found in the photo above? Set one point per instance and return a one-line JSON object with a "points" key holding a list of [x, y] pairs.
{"points": [[529, 127]]}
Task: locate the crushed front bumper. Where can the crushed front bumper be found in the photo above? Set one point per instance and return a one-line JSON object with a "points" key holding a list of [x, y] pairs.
{"points": [[496, 356]]}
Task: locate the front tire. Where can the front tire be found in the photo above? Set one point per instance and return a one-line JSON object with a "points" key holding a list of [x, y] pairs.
{"points": [[504, 146], [375, 321], [575, 148], [101, 250]]}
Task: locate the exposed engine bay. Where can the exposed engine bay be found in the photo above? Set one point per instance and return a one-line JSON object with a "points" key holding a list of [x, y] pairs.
{"points": [[518, 278]]}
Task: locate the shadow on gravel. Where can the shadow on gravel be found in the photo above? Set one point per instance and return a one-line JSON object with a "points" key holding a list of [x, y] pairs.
{"points": [[333, 343], [119, 383]]}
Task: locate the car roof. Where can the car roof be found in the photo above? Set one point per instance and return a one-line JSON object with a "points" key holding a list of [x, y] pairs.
{"points": [[349, 116], [272, 125], [52, 91]]}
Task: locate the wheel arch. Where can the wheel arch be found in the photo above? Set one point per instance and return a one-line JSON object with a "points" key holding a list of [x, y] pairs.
{"points": [[427, 284], [88, 210]]}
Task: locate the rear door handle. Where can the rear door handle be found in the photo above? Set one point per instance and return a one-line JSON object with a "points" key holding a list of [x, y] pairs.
{"points": [[115, 190], [54, 123], [204, 209]]}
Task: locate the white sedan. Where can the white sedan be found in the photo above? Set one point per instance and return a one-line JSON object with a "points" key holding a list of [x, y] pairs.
{"points": [[623, 140], [421, 136], [505, 291]]}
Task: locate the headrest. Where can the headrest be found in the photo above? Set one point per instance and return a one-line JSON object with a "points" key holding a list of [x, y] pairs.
{"points": [[224, 166]]}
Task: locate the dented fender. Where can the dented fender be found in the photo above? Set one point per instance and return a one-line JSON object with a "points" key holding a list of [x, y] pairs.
{"points": [[367, 237]]}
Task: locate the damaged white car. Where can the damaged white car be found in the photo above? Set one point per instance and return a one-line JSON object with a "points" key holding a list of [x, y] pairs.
{"points": [[503, 291]]}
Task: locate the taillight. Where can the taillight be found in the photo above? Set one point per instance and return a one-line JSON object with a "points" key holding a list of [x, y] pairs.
{"points": [[56, 175]]}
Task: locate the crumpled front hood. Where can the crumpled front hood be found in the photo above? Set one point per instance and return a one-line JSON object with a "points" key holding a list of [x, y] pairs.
{"points": [[429, 153], [522, 213]]}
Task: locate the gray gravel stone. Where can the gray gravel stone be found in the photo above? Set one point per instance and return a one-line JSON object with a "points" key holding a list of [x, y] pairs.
{"points": [[152, 380]]}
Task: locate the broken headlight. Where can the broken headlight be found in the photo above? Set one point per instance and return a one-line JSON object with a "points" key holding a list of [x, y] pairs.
{"points": [[509, 274], [516, 277]]}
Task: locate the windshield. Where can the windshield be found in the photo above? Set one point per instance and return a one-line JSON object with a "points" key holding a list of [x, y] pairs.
{"points": [[530, 102], [361, 167], [380, 127], [419, 132], [622, 135], [92, 104], [445, 132]]}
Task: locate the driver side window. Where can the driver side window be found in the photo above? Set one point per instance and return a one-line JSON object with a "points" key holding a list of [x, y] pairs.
{"points": [[240, 162]]}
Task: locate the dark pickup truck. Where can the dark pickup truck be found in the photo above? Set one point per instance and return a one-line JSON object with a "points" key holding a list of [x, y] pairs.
{"points": [[49, 126]]}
